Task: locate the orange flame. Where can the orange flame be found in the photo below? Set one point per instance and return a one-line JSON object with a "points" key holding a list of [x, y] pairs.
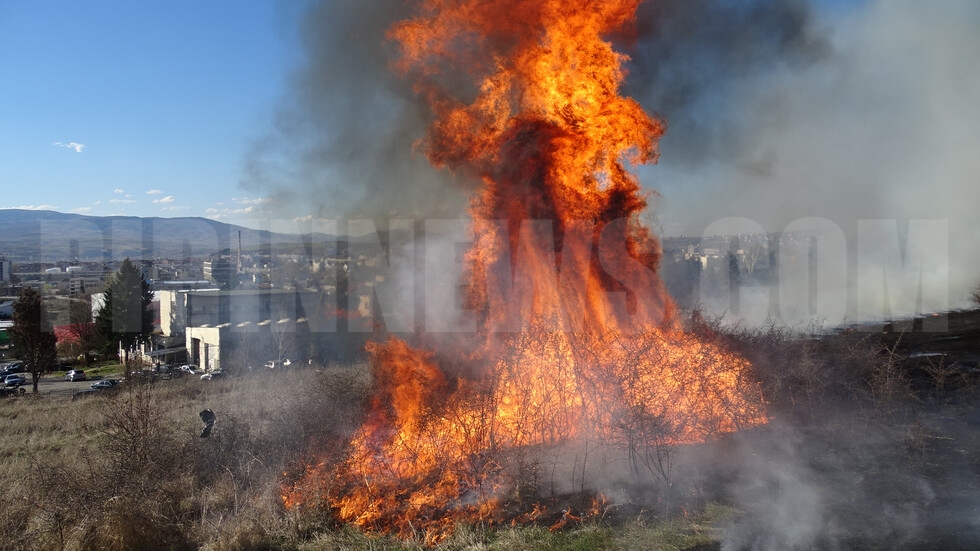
{"points": [[577, 338]]}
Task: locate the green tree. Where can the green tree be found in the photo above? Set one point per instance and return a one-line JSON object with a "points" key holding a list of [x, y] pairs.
{"points": [[126, 316], [32, 335]]}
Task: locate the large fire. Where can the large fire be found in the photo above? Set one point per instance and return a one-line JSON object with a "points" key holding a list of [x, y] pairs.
{"points": [[578, 349]]}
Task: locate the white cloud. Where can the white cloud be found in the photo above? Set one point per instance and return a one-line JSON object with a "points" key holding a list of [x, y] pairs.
{"points": [[154, 192], [98, 203], [248, 207], [78, 147], [249, 201], [117, 190], [31, 207], [117, 201], [82, 209], [175, 208], [167, 199], [217, 214]]}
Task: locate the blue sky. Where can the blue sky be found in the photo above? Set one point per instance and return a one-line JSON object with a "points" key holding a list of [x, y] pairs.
{"points": [[138, 108]]}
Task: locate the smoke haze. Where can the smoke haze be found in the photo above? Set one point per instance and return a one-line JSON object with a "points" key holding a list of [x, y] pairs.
{"points": [[872, 117], [776, 111], [342, 143]]}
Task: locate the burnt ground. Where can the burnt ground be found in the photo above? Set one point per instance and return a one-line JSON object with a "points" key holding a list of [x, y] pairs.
{"points": [[879, 457], [928, 346], [900, 471], [875, 470]]}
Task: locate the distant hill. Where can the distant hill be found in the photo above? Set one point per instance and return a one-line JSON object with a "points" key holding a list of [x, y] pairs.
{"points": [[49, 235]]}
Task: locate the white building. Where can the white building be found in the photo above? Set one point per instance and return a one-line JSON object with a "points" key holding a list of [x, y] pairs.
{"points": [[6, 270], [240, 329]]}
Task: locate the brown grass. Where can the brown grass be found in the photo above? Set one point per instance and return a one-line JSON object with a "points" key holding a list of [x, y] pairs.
{"points": [[128, 470]]}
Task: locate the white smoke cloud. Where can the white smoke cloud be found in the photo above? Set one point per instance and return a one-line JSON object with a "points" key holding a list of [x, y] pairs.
{"points": [[167, 199], [882, 128]]}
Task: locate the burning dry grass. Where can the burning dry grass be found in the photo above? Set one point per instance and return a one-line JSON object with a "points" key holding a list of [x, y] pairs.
{"points": [[850, 440], [128, 470], [549, 418]]}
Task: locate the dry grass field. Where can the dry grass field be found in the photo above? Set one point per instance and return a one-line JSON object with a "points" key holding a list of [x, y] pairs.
{"points": [[867, 448]]}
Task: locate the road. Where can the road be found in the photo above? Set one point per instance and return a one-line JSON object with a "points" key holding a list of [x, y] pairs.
{"points": [[58, 386]]}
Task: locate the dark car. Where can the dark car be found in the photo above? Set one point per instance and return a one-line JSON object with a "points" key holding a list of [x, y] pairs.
{"points": [[104, 384], [75, 375], [14, 379], [12, 368]]}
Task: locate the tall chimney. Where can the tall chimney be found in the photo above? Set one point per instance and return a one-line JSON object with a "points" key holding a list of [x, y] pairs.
{"points": [[239, 250]]}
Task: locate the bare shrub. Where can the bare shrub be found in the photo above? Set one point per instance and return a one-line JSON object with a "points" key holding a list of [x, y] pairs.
{"points": [[811, 376], [151, 482], [129, 492]]}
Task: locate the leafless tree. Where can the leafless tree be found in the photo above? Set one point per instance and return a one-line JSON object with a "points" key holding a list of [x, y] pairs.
{"points": [[753, 253]]}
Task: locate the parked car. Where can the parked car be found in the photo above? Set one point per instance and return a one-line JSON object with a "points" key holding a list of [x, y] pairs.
{"points": [[104, 384], [75, 375], [12, 368], [212, 375], [14, 379], [189, 369]]}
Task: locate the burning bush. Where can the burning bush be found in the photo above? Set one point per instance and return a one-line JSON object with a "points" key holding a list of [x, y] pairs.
{"points": [[436, 450], [576, 344]]}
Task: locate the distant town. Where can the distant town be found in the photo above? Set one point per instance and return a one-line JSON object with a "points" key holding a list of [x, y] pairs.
{"points": [[285, 304], [200, 302]]}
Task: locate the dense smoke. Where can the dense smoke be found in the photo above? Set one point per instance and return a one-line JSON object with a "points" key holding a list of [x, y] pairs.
{"points": [[870, 115], [342, 143], [690, 57], [343, 140], [776, 111]]}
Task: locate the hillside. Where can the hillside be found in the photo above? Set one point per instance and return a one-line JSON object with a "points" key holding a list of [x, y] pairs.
{"points": [[50, 235]]}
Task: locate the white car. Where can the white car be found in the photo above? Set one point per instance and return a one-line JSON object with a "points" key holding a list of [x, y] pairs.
{"points": [[75, 375]]}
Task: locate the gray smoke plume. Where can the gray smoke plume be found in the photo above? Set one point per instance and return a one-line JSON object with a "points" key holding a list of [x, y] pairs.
{"points": [[342, 143], [691, 56], [776, 111], [873, 118]]}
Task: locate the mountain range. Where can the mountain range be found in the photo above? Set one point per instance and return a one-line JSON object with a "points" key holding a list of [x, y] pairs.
{"points": [[43, 235]]}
